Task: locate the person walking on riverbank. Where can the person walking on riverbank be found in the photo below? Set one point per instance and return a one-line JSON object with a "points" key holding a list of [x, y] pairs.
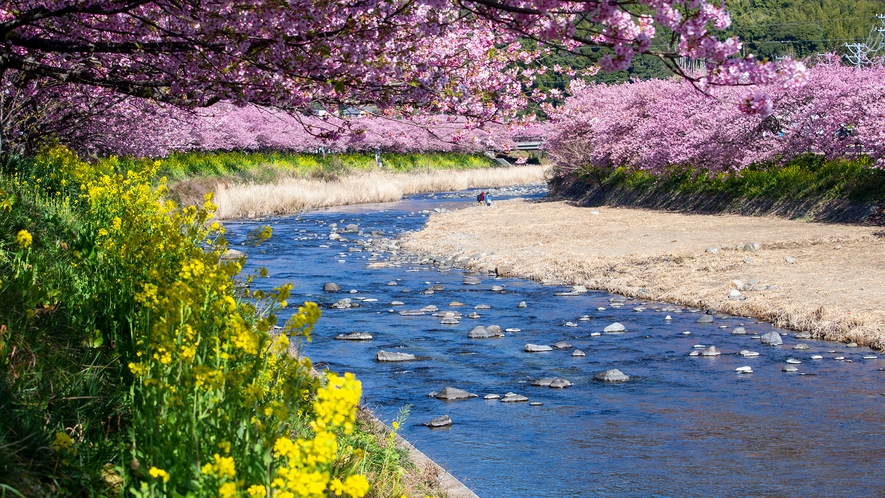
{"points": [[488, 199], [481, 198]]}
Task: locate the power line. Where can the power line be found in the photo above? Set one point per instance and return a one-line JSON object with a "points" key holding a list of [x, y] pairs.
{"points": [[791, 23], [746, 41]]}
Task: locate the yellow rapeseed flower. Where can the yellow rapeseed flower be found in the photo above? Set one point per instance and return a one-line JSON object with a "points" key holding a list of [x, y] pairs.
{"points": [[158, 473], [24, 239], [227, 490], [138, 369], [256, 491], [355, 486], [63, 442], [223, 467]]}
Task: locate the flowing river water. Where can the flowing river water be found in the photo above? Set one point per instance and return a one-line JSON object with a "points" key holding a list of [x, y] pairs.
{"points": [[681, 426]]}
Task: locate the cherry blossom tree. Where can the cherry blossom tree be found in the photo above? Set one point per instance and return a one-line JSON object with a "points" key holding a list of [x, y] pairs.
{"points": [[656, 124], [404, 57], [455, 56]]}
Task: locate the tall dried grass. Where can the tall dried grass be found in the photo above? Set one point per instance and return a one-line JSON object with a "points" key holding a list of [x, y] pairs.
{"points": [[296, 194]]}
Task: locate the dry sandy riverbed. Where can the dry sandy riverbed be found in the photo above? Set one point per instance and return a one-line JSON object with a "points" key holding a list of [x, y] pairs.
{"points": [[834, 289]]}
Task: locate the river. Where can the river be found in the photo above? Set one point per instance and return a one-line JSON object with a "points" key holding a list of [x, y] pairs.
{"points": [[681, 426]]}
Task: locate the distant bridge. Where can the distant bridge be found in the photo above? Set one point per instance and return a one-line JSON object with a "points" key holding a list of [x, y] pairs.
{"points": [[522, 143], [530, 145]]}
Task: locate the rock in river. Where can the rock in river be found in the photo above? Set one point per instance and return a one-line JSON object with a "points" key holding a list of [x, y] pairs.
{"points": [[450, 393], [443, 421], [553, 382], [537, 348], [513, 398], [613, 375], [772, 339], [560, 383], [232, 254], [385, 356], [331, 287], [705, 319], [484, 333], [615, 328], [711, 351], [354, 336]]}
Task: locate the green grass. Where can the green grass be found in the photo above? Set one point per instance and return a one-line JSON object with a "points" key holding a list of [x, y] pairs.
{"points": [[806, 178], [51, 376]]}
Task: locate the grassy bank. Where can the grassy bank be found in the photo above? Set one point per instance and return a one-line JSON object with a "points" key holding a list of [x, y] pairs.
{"points": [[252, 182], [133, 362], [807, 187]]}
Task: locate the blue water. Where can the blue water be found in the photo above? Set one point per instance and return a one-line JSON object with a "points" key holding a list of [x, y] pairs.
{"points": [[682, 425]]}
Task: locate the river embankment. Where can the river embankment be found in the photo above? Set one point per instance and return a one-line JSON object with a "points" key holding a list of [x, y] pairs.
{"points": [[824, 278], [291, 195]]}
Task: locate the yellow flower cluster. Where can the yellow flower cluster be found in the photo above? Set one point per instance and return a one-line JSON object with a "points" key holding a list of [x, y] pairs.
{"points": [[223, 467], [301, 323], [334, 406], [24, 239], [157, 473], [335, 402], [355, 485], [64, 443], [208, 374]]}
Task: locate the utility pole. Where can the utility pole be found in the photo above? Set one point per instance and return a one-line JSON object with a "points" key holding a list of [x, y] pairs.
{"points": [[870, 52]]}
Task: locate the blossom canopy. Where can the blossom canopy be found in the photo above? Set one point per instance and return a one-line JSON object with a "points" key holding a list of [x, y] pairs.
{"points": [[451, 56]]}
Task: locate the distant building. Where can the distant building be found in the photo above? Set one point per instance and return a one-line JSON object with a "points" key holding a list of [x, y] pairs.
{"points": [[353, 112]]}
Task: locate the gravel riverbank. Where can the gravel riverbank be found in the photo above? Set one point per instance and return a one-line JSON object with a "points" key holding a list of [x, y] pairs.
{"points": [[816, 277]]}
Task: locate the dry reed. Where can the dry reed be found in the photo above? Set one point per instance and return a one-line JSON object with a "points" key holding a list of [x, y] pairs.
{"points": [[295, 194]]}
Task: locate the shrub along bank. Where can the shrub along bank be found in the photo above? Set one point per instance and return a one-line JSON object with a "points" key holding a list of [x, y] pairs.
{"points": [[810, 186], [134, 360]]}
